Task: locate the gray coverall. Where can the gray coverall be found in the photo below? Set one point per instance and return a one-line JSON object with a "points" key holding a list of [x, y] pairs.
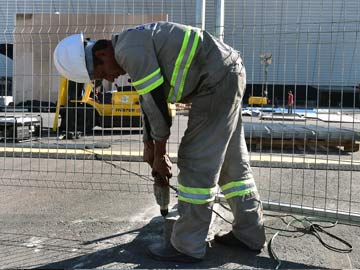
{"points": [[189, 65]]}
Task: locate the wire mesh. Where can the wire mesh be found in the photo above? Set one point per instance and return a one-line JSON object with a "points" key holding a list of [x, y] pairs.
{"points": [[307, 159]]}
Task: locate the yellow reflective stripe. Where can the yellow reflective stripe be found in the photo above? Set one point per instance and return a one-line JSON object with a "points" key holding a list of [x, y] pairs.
{"points": [[151, 86], [239, 193], [195, 201], [236, 184], [188, 63], [196, 195], [146, 78], [191, 190], [178, 62]]}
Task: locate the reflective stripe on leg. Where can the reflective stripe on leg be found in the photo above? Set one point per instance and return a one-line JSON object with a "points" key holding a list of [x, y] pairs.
{"points": [[196, 195], [238, 188]]}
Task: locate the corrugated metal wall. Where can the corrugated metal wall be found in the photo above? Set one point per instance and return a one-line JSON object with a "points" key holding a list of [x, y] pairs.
{"points": [[312, 41]]}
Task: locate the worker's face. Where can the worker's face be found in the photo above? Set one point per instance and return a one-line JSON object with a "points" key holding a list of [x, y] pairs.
{"points": [[109, 69]]}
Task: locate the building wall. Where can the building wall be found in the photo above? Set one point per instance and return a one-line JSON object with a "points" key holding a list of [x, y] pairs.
{"points": [[36, 36], [313, 42], [36, 26]]}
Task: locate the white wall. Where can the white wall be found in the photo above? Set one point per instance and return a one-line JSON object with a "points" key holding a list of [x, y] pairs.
{"points": [[313, 42], [36, 36]]}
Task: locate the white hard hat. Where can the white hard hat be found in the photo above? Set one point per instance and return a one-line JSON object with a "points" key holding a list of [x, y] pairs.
{"points": [[73, 58]]}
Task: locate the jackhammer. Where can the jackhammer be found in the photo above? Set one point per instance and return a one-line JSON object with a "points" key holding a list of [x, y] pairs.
{"points": [[162, 193]]}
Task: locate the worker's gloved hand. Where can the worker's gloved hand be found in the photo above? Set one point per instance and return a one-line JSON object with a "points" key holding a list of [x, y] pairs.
{"points": [[162, 165], [149, 152]]}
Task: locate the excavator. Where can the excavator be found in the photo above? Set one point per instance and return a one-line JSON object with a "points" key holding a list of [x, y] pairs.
{"points": [[81, 107]]}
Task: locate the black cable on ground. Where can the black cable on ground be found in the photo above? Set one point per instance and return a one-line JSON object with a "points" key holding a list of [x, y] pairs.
{"points": [[309, 227]]}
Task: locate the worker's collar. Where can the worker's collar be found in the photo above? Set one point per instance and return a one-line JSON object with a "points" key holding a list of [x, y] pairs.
{"points": [[89, 58]]}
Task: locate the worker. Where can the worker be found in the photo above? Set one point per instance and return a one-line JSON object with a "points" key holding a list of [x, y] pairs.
{"points": [[290, 102], [168, 63]]}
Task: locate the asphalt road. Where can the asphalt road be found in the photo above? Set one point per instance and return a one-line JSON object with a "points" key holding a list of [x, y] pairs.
{"points": [[59, 228]]}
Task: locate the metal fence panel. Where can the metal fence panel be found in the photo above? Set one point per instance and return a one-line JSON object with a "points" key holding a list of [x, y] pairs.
{"points": [[305, 161]]}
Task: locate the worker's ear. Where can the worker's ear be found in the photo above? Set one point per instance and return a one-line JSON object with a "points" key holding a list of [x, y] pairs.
{"points": [[100, 53]]}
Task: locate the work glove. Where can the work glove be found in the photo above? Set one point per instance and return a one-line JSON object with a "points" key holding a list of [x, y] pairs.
{"points": [[148, 153], [162, 165]]}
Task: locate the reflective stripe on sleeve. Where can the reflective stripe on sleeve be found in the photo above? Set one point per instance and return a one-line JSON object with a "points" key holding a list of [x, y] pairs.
{"points": [[238, 188], [149, 83], [182, 64], [196, 195]]}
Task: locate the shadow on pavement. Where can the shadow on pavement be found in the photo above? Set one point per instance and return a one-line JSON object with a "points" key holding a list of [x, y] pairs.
{"points": [[134, 255]]}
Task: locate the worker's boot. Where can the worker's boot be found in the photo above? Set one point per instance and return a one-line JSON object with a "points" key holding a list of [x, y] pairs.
{"points": [[229, 239], [166, 252]]}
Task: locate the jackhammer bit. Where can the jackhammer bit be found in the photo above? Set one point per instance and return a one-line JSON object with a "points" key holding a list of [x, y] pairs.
{"points": [[162, 193]]}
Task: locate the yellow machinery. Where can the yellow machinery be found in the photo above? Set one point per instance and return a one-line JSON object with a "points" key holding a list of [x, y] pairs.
{"points": [[83, 107], [254, 100]]}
